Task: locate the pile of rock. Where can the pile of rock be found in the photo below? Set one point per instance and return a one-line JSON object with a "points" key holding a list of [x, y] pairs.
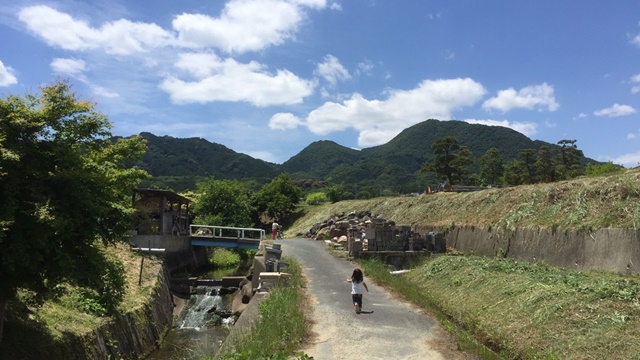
{"points": [[338, 227]]}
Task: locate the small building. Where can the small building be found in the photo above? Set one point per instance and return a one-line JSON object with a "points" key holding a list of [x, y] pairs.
{"points": [[160, 212]]}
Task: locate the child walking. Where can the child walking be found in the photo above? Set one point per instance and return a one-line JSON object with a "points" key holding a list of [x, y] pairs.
{"points": [[357, 288]]}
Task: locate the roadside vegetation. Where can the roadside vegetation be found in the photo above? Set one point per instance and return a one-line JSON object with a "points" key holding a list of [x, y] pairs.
{"points": [[501, 308], [525, 310], [282, 325]]}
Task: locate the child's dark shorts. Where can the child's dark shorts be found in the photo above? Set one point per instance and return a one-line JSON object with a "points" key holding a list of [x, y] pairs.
{"points": [[357, 299]]}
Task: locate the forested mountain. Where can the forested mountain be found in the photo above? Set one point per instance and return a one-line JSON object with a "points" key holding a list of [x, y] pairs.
{"points": [[178, 164], [395, 165]]}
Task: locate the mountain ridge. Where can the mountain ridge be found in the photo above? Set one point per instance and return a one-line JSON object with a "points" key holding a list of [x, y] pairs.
{"points": [[395, 164]]}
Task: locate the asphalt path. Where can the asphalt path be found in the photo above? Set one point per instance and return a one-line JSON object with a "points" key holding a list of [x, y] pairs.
{"points": [[388, 328]]}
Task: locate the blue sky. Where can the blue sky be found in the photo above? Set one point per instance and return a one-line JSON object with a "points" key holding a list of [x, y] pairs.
{"points": [[268, 77]]}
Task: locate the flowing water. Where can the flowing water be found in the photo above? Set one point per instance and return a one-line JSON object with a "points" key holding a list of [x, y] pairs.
{"points": [[200, 329], [203, 324]]}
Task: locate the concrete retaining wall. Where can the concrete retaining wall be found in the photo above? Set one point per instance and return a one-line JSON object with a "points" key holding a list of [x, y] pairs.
{"points": [[128, 336], [178, 250], [615, 250]]}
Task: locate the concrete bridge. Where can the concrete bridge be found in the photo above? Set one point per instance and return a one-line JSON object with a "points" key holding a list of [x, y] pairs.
{"points": [[226, 236]]}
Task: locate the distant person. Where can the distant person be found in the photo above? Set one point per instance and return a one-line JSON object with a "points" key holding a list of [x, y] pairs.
{"points": [[274, 230], [357, 288]]}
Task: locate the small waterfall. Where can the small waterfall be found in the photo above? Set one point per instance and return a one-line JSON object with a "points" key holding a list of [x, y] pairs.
{"points": [[206, 308], [200, 328]]}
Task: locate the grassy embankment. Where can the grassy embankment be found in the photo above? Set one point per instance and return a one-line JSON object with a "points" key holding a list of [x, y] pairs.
{"points": [[520, 310], [31, 330]]}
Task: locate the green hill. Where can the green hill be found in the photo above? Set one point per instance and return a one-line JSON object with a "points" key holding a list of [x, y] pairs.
{"points": [[179, 163]]}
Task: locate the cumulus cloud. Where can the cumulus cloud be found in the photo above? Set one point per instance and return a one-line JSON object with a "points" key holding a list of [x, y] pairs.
{"points": [[631, 136], [244, 25], [68, 66], [526, 128], [6, 75], [628, 160], [120, 37], [284, 121], [228, 80], [539, 97], [378, 121], [615, 111], [332, 70]]}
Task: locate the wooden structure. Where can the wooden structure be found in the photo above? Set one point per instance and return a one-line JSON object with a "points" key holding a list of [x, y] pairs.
{"points": [[160, 212]]}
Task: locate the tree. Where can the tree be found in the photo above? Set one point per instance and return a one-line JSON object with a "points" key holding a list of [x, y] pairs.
{"points": [[545, 167], [515, 173], [64, 185], [528, 159], [278, 199], [570, 156], [491, 167], [444, 149], [223, 203], [462, 159]]}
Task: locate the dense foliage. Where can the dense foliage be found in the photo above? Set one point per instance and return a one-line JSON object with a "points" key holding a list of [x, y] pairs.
{"points": [[394, 167], [278, 199], [64, 185], [223, 203]]}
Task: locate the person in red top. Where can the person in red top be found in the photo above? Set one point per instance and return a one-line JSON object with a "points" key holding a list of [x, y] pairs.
{"points": [[274, 230]]}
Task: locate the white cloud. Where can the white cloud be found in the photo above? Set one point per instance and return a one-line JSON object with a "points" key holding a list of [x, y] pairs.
{"points": [[526, 128], [244, 25], [120, 37], [228, 80], [284, 121], [631, 136], [582, 115], [615, 110], [635, 78], [628, 160], [262, 155], [6, 75], [68, 66], [636, 40], [364, 67], [378, 121], [331, 70], [335, 6], [103, 92], [539, 97], [200, 65]]}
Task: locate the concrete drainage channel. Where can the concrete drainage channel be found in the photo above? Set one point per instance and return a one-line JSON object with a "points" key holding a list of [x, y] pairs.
{"points": [[218, 311]]}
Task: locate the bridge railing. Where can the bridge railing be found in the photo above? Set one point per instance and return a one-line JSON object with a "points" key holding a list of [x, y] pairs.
{"points": [[226, 232]]}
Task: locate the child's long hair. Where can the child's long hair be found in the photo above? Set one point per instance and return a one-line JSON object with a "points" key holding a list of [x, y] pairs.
{"points": [[357, 276]]}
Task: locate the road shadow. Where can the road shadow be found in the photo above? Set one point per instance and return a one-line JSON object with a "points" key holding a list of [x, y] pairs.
{"points": [[366, 312]]}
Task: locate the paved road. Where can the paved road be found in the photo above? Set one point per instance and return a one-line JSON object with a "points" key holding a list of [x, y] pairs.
{"points": [[394, 330]]}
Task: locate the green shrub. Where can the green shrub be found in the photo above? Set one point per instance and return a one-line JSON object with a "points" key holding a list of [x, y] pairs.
{"points": [[224, 258], [316, 198], [608, 168]]}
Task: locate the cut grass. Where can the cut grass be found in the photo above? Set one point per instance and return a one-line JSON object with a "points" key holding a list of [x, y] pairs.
{"points": [[583, 203], [526, 310]]}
